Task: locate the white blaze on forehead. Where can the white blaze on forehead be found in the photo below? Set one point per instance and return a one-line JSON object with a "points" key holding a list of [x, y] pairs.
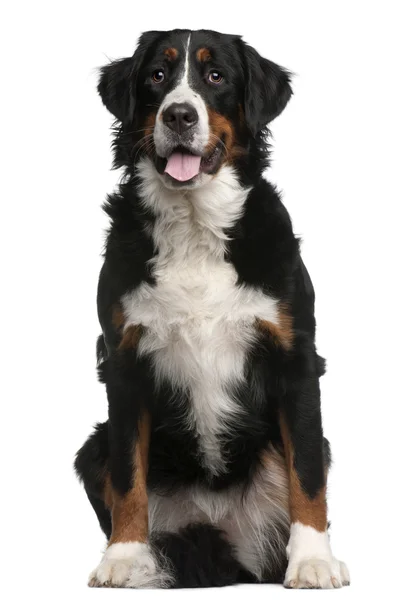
{"points": [[187, 61], [183, 93]]}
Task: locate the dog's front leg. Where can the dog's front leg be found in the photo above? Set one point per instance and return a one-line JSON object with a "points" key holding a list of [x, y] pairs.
{"points": [[311, 563], [127, 561]]}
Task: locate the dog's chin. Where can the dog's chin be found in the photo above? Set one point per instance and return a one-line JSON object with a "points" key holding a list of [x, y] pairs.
{"points": [[209, 166]]}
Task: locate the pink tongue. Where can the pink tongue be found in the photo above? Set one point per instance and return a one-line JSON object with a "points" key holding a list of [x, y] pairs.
{"points": [[183, 166]]}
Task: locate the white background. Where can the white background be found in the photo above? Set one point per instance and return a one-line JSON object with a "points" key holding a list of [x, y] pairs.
{"points": [[339, 154]]}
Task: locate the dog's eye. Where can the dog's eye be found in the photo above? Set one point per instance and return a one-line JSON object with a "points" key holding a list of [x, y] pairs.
{"points": [[158, 76], [215, 77]]}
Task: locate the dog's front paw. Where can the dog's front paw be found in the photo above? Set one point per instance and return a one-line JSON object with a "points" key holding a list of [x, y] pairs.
{"points": [[317, 573], [118, 563], [144, 572]]}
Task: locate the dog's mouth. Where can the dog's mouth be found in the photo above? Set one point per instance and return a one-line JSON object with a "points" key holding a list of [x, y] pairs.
{"points": [[183, 166]]}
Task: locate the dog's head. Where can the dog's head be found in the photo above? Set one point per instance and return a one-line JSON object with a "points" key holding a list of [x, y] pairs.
{"points": [[192, 101]]}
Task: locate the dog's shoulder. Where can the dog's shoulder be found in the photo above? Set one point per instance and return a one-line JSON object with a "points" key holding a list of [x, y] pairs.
{"points": [[263, 247]]}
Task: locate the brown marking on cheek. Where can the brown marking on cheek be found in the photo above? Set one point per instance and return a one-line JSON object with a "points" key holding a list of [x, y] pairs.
{"points": [[222, 129], [203, 55], [303, 509], [130, 337], [130, 512], [149, 125], [171, 53], [282, 333]]}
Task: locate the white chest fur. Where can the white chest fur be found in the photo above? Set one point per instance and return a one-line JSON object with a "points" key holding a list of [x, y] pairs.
{"points": [[198, 323]]}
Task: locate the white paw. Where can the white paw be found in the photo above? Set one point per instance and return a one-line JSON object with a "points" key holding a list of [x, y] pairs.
{"points": [[119, 562], [317, 573], [311, 563], [143, 572]]}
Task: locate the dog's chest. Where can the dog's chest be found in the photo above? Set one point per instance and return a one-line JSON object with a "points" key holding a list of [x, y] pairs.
{"points": [[198, 327]]}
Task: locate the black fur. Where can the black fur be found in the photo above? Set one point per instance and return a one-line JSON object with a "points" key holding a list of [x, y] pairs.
{"points": [[199, 557], [265, 254], [267, 89]]}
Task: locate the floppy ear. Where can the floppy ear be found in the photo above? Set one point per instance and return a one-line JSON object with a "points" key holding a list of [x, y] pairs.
{"points": [[117, 83], [114, 87], [267, 90]]}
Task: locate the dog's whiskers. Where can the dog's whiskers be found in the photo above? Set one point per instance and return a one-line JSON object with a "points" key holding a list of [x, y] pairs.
{"points": [[218, 140], [146, 143], [139, 130]]}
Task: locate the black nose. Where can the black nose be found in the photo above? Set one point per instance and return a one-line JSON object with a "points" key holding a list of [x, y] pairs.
{"points": [[180, 117]]}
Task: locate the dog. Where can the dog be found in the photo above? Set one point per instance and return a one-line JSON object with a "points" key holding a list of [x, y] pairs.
{"points": [[211, 469]]}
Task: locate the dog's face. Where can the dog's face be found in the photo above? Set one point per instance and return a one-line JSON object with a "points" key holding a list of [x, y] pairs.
{"points": [[192, 100]]}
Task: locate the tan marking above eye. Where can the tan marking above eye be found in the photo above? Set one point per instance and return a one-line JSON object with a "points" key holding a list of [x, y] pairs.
{"points": [[203, 55], [171, 53]]}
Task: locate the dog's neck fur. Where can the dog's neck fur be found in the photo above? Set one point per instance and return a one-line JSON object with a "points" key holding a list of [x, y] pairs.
{"points": [[216, 205]]}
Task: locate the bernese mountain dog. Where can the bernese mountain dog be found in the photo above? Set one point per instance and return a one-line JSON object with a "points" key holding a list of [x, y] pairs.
{"points": [[211, 469]]}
